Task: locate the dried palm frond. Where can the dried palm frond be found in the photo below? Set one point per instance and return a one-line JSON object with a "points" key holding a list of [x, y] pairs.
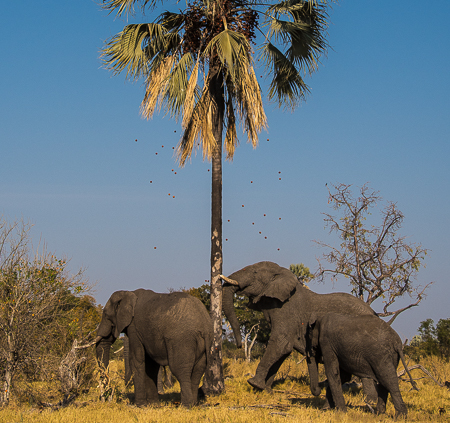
{"points": [[190, 96], [157, 84], [198, 130]]}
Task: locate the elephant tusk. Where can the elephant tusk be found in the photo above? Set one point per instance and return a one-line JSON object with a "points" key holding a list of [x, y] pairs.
{"points": [[228, 280], [97, 339]]}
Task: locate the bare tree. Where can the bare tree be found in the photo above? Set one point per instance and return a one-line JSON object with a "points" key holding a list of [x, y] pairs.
{"points": [[378, 262], [249, 342], [35, 291]]}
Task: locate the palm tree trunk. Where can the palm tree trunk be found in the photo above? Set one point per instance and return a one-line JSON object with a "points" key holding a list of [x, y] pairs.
{"points": [[215, 381]]}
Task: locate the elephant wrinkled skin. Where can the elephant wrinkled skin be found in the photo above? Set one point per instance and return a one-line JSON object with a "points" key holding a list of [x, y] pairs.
{"points": [[364, 346], [163, 329], [287, 305]]}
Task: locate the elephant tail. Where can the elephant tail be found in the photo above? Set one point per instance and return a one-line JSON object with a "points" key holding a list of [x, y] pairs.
{"points": [[402, 357]]}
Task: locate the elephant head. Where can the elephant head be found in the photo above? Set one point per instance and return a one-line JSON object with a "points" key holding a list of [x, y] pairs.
{"points": [[259, 282], [117, 315]]}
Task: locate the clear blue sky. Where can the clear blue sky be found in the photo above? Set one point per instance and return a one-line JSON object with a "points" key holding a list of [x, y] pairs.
{"points": [[379, 112]]}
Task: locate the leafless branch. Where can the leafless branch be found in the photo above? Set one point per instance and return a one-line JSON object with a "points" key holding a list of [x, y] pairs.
{"points": [[377, 262]]}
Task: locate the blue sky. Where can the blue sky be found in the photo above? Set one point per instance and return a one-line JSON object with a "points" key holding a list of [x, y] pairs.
{"points": [[378, 112]]}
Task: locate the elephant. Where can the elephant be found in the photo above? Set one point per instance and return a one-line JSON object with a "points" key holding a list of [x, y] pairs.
{"points": [[163, 329], [365, 346], [287, 305]]}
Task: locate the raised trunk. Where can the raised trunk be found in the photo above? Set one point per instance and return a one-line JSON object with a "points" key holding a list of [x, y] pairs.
{"points": [[230, 313], [215, 381]]}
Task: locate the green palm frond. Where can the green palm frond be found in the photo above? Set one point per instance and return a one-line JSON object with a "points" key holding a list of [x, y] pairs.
{"points": [[301, 32], [232, 49], [178, 83], [132, 49], [287, 85], [171, 21], [125, 6]]}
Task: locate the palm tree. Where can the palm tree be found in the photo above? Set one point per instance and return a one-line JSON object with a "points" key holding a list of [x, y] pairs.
{"points": [[198, 65]]}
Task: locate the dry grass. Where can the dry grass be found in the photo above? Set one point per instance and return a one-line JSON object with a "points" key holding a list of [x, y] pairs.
{"points": [[291, 400]]}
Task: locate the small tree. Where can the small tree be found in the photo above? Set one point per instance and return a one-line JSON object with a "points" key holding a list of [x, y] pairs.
{"points": [[431, 340], [302, 272], [36, 296], [378, 262]]}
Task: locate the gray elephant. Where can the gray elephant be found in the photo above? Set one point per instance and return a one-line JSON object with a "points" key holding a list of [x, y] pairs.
{"points": [[163, 329], [364, 346], [287, 305]]}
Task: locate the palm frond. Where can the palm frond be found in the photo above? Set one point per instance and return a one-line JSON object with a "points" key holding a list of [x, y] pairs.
{"points": [[231, 47], [302, 31], [177, 84], [247, 93], [133, 48], [190, 96], [231, 139], [157, 84], [171, 21], [198, 130], [125, 6], [287, 85]]}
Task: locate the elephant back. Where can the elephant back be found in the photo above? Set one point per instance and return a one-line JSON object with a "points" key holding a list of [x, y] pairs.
{"points": [[308, 302]]}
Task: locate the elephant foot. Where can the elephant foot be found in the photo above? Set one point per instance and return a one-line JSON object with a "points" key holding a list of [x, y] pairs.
{"points": [[402, 415], [257, 383], [326, 406]]}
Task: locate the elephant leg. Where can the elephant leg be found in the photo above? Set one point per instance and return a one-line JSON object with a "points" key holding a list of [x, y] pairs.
{"points": [[370, 391], [181, 363], [151, 380], [335, 395], [273, 372], [329, 401], [197, 373], [145, 372], [277, 350], [160, 384], [382, 399], [388, 382]]}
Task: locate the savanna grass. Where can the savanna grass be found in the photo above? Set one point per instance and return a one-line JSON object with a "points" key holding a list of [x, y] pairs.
{"points": [[290, 400]]}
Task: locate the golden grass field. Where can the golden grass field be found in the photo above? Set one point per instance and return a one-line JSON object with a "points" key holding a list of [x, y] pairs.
{"points": [[291, 400]]}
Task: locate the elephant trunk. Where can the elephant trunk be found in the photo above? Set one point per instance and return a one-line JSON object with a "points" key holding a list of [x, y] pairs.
{"points": [[126, 356], [102, 348], [313, 375], [230, 313]]}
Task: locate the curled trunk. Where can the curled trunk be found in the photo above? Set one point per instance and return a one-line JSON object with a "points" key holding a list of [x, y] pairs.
{"points": [[230, 313]]}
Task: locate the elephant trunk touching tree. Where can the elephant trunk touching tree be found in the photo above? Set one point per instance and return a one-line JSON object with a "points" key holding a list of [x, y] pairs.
{"points": [[228, 308], [287, 305]]}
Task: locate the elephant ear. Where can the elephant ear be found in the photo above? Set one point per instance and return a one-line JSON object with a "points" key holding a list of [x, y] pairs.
{"points": [[313, 331], [281, 286], [125, 302]]}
